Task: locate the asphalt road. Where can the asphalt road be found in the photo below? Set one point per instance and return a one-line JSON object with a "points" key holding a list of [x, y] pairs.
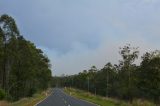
{"points": [[59, 98]]}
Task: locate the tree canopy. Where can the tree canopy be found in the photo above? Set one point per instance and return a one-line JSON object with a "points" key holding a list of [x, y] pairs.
{"points": [[24, 69]]}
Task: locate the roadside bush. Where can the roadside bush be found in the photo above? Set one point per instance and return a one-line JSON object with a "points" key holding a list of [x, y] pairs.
{"points": [[31, 92], [2, 94]]}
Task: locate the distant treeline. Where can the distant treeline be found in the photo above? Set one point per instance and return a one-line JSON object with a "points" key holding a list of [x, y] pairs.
{"points": [[125, 81], [24, 69]]}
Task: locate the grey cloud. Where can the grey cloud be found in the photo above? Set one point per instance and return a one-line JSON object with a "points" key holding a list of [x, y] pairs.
{"points": [[78, 34]]}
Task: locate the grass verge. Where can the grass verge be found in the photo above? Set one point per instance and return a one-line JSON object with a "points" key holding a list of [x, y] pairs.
{"points": [[28, 101], [102, 101]]}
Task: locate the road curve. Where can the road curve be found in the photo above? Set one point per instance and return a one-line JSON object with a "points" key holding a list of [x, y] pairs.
{"points": [[59, 98]]}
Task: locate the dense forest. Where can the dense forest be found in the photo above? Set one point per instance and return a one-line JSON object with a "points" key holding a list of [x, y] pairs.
{"points": [[24, 69], [126, 80]]}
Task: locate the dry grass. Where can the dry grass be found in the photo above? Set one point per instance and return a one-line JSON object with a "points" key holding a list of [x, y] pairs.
{"points": [[28, 101], [140, 102], [4, 103], [31, 101]]}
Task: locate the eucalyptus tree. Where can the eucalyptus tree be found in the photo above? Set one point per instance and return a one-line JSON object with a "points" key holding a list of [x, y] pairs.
{"points": [[149, 76], [1, 57], [22, 64], [9, 31], [129, 55]]}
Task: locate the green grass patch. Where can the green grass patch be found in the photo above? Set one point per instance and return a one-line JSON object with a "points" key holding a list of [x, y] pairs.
{"points": [[90, 97], [102, 101]]}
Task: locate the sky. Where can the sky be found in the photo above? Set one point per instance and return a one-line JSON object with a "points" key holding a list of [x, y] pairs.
{"points": [[77, 34]]}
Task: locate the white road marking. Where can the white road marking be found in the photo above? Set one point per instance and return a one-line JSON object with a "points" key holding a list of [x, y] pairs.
{"points": [[44, 99]]}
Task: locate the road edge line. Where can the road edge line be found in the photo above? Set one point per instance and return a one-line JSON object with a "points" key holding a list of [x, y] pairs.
{"points": [[82, 99], [43, 99]]}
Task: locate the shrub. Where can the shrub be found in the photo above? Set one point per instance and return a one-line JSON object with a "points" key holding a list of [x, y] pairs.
{"points": [[2, 94]]}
